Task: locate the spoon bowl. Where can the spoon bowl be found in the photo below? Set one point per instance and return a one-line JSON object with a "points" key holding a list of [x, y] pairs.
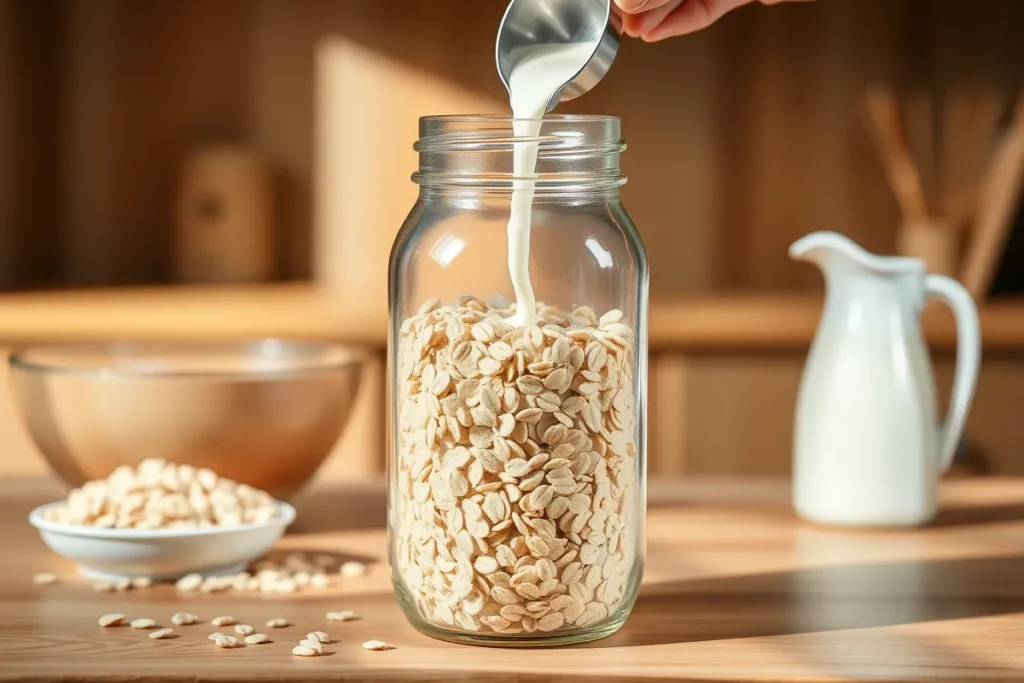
{"points": [[528, 23]]}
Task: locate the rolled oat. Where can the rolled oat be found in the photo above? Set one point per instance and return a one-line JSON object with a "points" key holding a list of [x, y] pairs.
{"points": [[312, 645], [352, 569], [183, 619], [189, 582], [344, 615], [108, 620], [226, 642]]}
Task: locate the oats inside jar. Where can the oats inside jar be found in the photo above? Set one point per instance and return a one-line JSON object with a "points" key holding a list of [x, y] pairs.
{"points": [[516, 461]]}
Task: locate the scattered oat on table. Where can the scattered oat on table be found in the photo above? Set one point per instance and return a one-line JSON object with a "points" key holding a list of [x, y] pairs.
{"points": [[142, 582], [344, 615], [376, 645], [217, 584], [312, 645], [216, 635], [143, 624], [352, 569], [184, 619], [244, 630], [303, 651], [122, 584], [297, 573], [222, 621], [44, 579], [320, 636], [257, 638], [189, 582], [162, 633], [108, 620], [278, 623], [226, 642]]}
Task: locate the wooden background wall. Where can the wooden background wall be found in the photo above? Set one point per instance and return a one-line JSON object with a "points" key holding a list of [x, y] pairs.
{"points": [[741, 138]]}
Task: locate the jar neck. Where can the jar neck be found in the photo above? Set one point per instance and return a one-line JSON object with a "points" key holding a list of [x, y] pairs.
{"points": [[565, 196], [576, 157]]}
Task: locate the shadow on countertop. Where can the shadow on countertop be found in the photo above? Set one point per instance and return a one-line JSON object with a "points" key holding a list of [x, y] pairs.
{"points": [[822, 599]]}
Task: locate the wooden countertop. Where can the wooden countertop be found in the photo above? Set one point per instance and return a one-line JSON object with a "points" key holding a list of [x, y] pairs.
{"points": [[735, 590], [305, 311]]}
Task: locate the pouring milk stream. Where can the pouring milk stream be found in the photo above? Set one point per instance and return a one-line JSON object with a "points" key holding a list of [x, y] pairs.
{"points": [[536, 78]]}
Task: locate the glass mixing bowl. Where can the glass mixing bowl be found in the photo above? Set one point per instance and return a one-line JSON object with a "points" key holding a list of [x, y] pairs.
{"points": [[263, 412]]}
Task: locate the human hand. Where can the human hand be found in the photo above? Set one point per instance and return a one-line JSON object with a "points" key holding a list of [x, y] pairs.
{"points": [[653, 20]]}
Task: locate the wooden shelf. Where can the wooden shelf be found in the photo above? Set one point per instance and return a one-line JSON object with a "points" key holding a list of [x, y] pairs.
{"points": [[733, 323], [279, 310], [789, 321]]}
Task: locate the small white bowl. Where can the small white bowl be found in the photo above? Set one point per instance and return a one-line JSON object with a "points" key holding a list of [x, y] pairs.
{"points": [[161, 554]]}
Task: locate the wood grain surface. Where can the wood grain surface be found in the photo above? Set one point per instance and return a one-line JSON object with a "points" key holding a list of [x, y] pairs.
{"points": [[718, 323], [735, 589]]}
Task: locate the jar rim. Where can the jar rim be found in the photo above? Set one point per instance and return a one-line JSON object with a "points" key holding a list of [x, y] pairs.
{"points": [[573, 134], [504, 118], [576, 153]]}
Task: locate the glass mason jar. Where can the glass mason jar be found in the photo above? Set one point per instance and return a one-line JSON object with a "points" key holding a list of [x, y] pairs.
{"points": [[516, 463]]}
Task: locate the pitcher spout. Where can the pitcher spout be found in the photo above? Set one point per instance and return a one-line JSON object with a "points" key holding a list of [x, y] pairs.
{"points": [[830, 249]]}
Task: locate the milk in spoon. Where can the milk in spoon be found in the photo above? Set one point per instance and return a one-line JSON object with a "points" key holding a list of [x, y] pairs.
{"points": [[534, 81]]}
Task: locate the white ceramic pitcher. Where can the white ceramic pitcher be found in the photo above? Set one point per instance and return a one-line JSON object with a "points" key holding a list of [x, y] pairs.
{"points": [[868, 446]]}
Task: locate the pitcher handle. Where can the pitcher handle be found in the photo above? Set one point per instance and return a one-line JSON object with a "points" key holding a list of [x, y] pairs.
{"points": [[968, 360]]}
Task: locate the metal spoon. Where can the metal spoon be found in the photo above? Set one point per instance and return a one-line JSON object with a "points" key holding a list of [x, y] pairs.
{"points": [[533, 22]]}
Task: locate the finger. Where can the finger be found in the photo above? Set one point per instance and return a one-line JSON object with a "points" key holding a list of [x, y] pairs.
{"points": [[632, 24], [627, 21], [690, 16], [640, 24], [637, 6]]}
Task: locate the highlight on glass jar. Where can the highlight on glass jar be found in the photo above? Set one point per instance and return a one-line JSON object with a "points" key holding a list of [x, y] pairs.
{"points": [[517, 379]]}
